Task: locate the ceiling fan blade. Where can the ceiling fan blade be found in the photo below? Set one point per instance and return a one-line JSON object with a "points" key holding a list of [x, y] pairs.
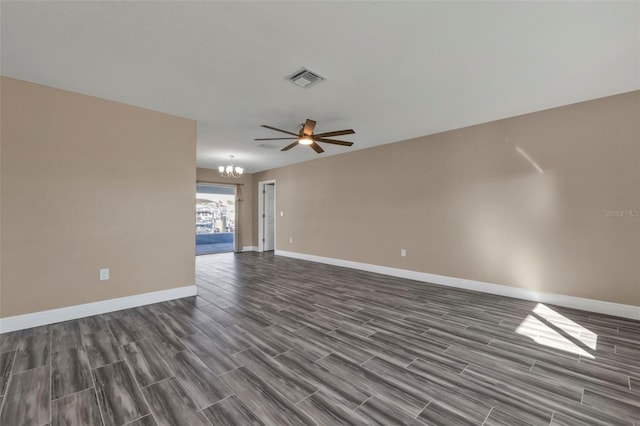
{"points": [[335, 142], [278, 130], [288, 147], [336, 133], [272, 139], [309, 125], [317, 148]]}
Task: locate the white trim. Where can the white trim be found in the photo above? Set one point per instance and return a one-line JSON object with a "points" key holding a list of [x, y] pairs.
{"points": [[249, 248], [261, 185], [592, 305], [52, 316]]}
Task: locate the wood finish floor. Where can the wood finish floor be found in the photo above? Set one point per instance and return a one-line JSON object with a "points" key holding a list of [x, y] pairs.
{"points": [[278, 341]]}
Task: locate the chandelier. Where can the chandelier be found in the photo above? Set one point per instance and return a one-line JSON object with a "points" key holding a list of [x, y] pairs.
{"points": [[230, 170]]}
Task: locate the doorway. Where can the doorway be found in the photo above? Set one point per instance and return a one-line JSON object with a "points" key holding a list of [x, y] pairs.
{"points": [[215, 218], [267, 215]]}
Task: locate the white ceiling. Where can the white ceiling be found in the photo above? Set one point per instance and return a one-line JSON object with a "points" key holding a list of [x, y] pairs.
{"points": [[394, 70]]}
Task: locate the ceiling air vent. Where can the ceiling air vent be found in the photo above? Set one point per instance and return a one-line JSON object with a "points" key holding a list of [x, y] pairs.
{"points": [[267, 146], [305, 78]]}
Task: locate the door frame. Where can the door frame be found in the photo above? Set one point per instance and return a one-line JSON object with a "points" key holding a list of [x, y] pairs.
{"points": [[261, 186], [236, 205]]}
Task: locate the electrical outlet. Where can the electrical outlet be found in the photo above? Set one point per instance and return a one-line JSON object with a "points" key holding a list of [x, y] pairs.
{"points": [[403, 252], [104, 274], [290, 240], [281, 213]]}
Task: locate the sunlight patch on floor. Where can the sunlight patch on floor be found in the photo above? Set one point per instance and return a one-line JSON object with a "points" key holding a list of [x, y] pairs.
{"points": [[563, 334]]}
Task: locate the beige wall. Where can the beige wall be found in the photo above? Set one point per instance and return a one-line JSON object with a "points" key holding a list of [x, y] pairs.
{"points": [[245, 221], [468, 204], [87, 184]]}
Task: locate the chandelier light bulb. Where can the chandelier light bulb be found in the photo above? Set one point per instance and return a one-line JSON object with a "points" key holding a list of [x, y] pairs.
{"points": [[230, 170]]}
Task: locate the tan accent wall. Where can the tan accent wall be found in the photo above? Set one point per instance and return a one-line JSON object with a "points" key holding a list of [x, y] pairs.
{"points": [[245, 183], [89, 184], [547, 201]]}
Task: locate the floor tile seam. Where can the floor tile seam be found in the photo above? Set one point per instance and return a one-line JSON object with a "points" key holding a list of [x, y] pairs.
{"points": [[95, 392], [475, 398], [365, 401], [487, 416], [138, 418], [397, 383], [429, 401], [104, 365], [11, 373], [279, 391], [51, 378], [180, 380], [233, 394], [71, 393], [308, 396], [582, 376], [367, 360], [147, 401], [4, 399]]}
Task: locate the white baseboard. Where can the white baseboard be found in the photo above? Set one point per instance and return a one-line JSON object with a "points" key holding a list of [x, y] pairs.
{"points": [[52, 316], [249, 248], [599, 306]]}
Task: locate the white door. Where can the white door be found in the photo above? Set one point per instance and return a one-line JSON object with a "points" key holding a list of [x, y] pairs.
{"points": [[269, 217]]}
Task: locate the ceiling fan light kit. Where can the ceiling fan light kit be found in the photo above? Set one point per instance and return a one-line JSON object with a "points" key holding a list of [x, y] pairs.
{"points": [[306, 136]]}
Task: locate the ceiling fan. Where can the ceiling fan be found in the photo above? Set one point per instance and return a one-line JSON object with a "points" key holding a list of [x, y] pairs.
{"points": [[306, 136]]}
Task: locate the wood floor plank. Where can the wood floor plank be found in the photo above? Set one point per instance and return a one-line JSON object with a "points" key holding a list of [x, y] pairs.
{"points": [[293, 386], [332, 344], [334, 386], [145, 362], [32, 352], [200, 382], [71, 372], [377, 412], [328, 412], [9, 341], [226, 339], [210, 353], [374, 347], [78, 409], [498, 417], [102, 348], [28, 398], [262, 339], [231, 412], [120, 399], [65, 335], [404, 397], [443, 361], [611, 401], [486, 391], [446, 406], [171, 405], [147, 420], [92, 324], [162, 339], [218, 315], [6, 364], [580, 418], [265, 402], [124, 333]]}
